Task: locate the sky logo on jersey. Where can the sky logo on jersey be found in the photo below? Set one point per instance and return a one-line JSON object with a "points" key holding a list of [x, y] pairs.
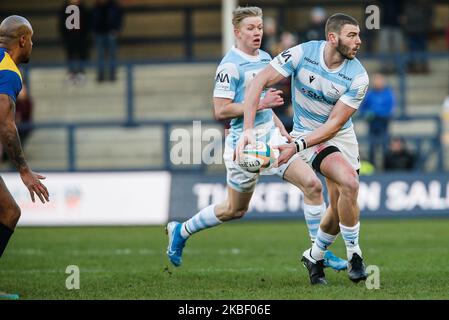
{"points": [[315, 96]]}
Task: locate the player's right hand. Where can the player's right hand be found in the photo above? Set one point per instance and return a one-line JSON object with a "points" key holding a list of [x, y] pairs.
{"points": [[34, 185], [246, 138], [286, 151], [272, 99]]}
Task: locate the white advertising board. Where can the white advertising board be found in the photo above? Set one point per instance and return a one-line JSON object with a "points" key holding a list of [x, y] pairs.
{"points": [[124, 198]]}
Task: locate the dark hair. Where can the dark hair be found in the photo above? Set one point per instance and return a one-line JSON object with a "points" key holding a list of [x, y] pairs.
{"points": [[336, 22]]}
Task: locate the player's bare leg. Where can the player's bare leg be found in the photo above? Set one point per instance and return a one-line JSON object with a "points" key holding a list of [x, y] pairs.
{"points": [[342, 175], [331, 220], [9, 216], [302, 176], [234, 207]]}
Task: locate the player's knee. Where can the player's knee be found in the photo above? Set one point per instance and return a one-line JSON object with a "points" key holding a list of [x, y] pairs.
{"points": [[12, 215], [313, 187], [350, 187]]}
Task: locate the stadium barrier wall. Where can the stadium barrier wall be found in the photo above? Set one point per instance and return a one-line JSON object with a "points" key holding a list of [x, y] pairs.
{"points": [[382, 195], [426, 146], [139, 198], [153, 198]]}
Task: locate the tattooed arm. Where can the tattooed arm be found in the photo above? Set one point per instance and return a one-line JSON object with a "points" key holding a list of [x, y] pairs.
{"points": [[8, 134], [11, 143]]}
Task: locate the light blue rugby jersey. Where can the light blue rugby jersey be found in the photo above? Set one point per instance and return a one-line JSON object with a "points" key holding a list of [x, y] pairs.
{"points": [[234, 73], [316, 88]]}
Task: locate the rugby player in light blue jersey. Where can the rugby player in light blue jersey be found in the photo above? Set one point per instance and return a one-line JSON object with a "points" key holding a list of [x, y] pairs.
{"points": [[328, 86], [237, 69], [15, 47]]}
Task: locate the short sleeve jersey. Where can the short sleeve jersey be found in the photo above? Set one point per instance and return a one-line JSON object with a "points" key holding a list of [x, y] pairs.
{"points": [[10, 77], [234, 73], [315, 88]]}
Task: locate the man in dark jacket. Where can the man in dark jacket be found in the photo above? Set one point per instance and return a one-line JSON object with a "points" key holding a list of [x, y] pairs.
{"points": [[417, 27], [107, 17], [75, 41], [398, 156]]}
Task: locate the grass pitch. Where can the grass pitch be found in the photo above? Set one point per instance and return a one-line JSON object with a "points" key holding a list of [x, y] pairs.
{"points": [[239, 260]]}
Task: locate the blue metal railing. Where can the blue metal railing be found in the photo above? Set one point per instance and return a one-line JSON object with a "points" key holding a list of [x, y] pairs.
{"points": [[417, 140]]}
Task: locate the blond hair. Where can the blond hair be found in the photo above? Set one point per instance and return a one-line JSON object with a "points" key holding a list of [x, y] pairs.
{"points": [[241, 13]]}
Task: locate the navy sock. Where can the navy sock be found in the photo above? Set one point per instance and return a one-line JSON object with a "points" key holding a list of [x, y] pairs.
{"points": [[5, 234]]}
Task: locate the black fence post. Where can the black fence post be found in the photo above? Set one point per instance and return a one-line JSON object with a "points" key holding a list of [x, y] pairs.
{"points": [[188, 33], [129, 94]]}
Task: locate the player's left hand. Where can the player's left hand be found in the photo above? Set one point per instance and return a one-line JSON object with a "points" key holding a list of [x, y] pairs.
{"points": [[286, 151], [34, 185], [272, 99], [246, 138]]}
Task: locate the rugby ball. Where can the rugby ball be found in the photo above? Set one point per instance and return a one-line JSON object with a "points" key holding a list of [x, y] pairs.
{"points": [[257, 157]]}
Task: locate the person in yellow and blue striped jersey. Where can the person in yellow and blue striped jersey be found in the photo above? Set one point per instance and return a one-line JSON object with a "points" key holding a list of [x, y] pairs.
{"points": [[15, 48]]}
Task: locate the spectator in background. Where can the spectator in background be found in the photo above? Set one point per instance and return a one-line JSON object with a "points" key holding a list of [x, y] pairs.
{"points": [[417, 27], [285, 112], [446, 100], [107, 17], [75, 41], [317, 23], [270, 35], [391, 38], [398, 157], [377, 109], [447, 37]]}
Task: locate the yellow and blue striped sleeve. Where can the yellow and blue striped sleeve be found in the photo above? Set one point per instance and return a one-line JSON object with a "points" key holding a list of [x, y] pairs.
{"points": [[10, 83]]}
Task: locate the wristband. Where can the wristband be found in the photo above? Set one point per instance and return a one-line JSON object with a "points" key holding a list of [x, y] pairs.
{"points": [[300, 144]]}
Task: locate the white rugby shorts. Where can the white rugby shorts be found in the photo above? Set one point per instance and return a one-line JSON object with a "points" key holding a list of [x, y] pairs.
{"points": [[345, 141], [244, 181]]}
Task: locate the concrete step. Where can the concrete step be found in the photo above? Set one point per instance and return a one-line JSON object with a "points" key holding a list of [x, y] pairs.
{"points": [[113, 148], [415, 127]]}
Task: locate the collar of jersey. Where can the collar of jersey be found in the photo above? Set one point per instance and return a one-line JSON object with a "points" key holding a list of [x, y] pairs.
{"points": [[323, 64], [247, 56], [2, 53]]}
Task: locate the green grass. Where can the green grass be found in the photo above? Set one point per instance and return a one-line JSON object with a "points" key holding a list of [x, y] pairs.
{"points": [[240, 260]]}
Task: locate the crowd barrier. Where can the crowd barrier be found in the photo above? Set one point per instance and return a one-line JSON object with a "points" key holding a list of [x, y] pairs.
{"points": [[153, 198]]}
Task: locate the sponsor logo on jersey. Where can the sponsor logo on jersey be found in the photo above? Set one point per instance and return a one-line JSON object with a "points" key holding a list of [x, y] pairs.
{"points": [[344, 76], [223, 78], [334, 92], [361, 92], [333, 88], [311, 61], [286, 55], [315, 96], [311, 78]]}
